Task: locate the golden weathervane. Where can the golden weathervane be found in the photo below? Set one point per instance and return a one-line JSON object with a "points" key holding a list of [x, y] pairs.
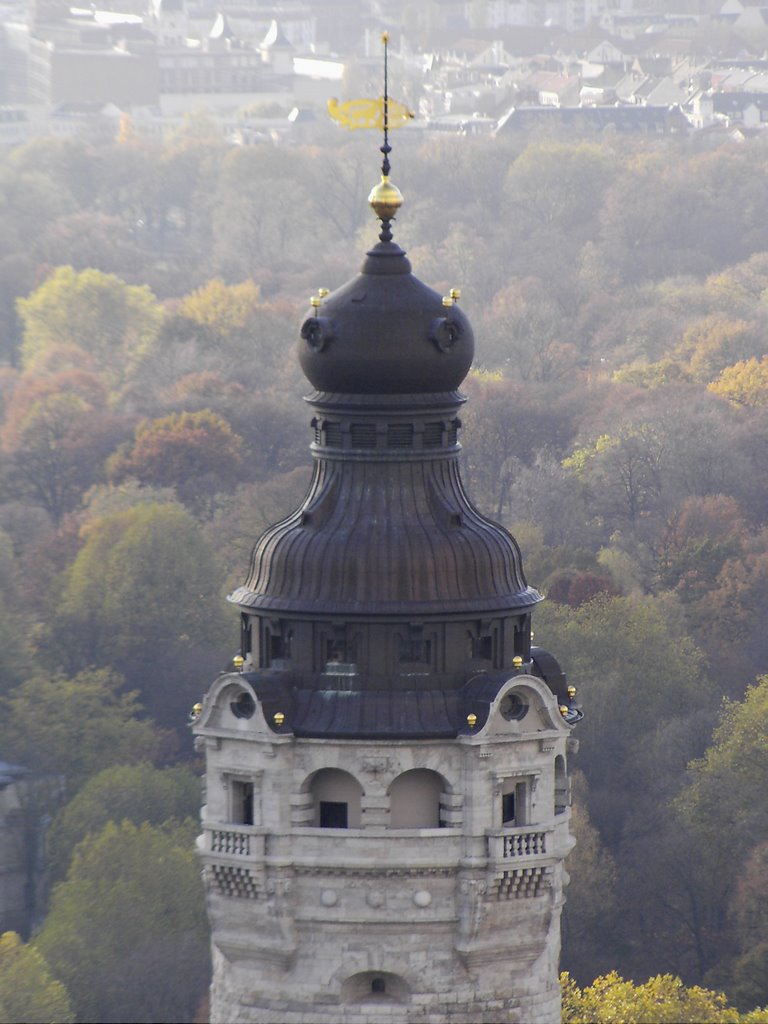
{"points": [[384, 113]]}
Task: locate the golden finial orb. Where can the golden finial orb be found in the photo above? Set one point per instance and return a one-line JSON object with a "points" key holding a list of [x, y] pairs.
{"points": [[471, 720], [279, 718], [385, 199], [315, 301]]}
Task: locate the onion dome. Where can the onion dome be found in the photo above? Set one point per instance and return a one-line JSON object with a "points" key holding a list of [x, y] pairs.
{"points": [[385, 332]]}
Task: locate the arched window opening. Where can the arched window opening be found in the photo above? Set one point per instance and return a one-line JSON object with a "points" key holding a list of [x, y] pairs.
{"points": [[375, 987], [336, 798], [414, 799]]}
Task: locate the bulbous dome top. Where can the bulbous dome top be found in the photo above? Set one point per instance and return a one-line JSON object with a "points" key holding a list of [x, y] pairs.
{"points": [[386, 332]]}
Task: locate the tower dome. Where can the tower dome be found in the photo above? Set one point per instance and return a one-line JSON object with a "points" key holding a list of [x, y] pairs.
{"points": [[385, 332], [386, 527]]}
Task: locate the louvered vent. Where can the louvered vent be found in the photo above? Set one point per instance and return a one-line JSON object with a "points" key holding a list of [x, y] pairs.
{"points": [[363, 435], [433, 435], [400, 435], [333, 436]]}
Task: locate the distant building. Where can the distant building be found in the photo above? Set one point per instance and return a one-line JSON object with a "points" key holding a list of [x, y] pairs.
{"points": [[624, 120]]}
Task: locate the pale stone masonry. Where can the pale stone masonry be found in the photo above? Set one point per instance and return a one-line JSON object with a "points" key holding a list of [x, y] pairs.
{"points": [[460, 922]]}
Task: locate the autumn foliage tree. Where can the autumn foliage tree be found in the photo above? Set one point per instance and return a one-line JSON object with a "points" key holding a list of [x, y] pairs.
{"points": [[71, 729], [663, 999], [198, 453], [28, 990], [57, 433], [112, 321]]}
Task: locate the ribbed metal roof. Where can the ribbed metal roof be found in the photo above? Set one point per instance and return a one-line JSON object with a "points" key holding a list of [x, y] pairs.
{"points": [[386, 538]]}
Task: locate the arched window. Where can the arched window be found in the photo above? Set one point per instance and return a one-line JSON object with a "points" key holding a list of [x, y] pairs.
{"points": [[375, 987], [337, 798], [415, 799]]}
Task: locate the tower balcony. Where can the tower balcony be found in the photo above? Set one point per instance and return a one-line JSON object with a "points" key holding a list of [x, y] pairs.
{"points": [[509, 848]]}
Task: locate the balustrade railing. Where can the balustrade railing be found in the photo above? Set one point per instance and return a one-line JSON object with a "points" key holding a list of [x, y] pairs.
{"points": [[519, 843], [237, 842]]}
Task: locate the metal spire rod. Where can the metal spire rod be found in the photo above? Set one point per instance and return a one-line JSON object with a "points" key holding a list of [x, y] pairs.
{"points": [[386, 149]]}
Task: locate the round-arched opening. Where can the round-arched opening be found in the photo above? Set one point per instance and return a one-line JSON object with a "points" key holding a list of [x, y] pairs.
{"points": [[513, 706], [336, 798], [375, 987], [415, 799], [243, 706]]}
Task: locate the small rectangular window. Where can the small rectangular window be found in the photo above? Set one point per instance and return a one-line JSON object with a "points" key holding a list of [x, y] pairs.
{"points": [[514, 804], [508, 809], [333, 814], [333, 435], [482, 647], [242, 803]]}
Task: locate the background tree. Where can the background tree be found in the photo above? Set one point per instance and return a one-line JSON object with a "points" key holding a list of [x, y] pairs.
{"points": [[127, 932], [129, 792], [143, 595], [28, 992], [661, 1000], [744, 383], [112, 321], [57, 434], [636, 673], [71, 729], [197, 453]]}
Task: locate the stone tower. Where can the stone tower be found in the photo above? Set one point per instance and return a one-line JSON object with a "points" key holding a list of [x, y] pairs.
{"points": [[387, 797]]}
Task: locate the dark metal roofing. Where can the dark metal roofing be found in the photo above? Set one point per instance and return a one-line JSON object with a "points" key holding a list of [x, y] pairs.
{"points": [[384, 333], [386, 538], [404, 714], [391, 714]]}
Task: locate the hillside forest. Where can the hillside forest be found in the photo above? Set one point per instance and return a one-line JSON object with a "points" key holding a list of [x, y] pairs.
{"points": [[152, 424]]}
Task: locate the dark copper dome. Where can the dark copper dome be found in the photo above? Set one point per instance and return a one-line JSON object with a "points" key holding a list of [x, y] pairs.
{"points": [[381, 537], [385, 332]]}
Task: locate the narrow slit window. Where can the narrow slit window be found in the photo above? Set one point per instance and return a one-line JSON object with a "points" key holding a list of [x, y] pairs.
{"points": [[242, 803]]}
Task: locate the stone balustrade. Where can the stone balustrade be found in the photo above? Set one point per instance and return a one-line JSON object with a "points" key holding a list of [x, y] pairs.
{"points": [[520, 843]]}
